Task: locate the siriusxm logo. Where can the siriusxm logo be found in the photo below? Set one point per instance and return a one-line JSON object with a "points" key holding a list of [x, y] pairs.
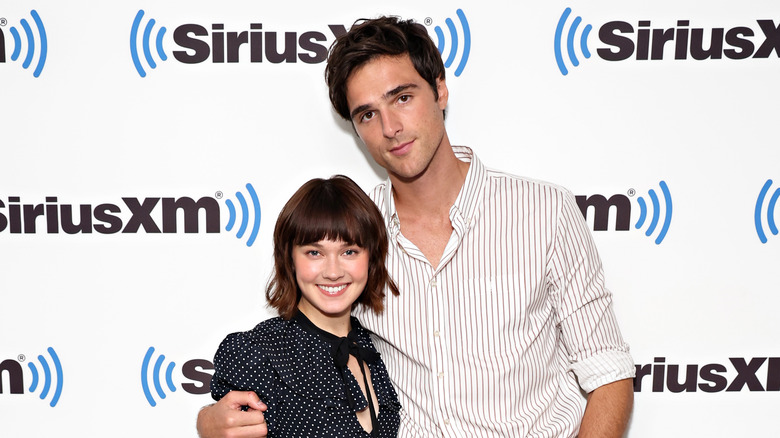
{"points": [[768, 213], [28, 44], [199, 44], [713, 377], [48, 380], [655, 216], [109, 218], [453, 42], [622, 41], [156, 371], [195, 44]]}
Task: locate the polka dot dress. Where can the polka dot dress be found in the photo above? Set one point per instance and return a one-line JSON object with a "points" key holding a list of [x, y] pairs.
{"points": [[292, 371]]}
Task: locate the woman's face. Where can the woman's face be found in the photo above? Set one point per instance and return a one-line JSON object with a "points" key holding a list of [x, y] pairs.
{"points": [[331, 275]]}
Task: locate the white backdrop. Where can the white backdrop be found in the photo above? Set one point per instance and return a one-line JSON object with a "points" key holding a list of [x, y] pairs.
{"points": [[87, 129]]}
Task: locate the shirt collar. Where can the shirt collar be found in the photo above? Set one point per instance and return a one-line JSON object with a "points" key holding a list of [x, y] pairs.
{"points": [[463, 211]]}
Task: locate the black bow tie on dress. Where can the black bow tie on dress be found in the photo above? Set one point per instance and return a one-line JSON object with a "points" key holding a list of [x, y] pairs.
{"points": [[340, 349]]}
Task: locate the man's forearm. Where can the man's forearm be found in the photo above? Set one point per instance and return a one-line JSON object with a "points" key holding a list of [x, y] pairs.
{"points": [[608, 410]]}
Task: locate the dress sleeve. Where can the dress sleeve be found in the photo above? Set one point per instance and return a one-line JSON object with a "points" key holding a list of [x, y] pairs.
{"points": [[240, 365], [596, 350]]}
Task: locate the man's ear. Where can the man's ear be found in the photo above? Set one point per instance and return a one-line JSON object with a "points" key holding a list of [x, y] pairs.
{"points": [[444, 94]]}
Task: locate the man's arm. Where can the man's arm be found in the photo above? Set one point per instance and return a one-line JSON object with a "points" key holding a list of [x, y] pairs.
{"points": [[225, 419], [598, 355], [608, 410]]}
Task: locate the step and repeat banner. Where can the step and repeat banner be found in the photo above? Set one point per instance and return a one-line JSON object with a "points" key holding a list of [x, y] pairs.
{"points": [[146, 149]]}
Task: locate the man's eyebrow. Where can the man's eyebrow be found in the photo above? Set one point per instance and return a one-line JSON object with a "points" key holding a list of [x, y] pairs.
{"points": [[358, 110], [398, 90], [394, 92]]}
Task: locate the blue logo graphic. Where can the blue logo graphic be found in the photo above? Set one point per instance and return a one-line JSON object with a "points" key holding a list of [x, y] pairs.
{"points": [[454, 42], [30, 44], [156, 376], [48, 378], [656, 213], [146, 43], [570, 40], [770, 211], [245, 214]]}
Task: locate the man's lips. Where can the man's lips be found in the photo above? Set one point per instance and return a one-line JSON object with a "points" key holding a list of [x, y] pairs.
{"points": [[402, 148]]}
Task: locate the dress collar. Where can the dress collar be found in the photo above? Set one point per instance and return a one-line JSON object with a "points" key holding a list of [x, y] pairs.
{"points": [[341, 347], [316, 376]]}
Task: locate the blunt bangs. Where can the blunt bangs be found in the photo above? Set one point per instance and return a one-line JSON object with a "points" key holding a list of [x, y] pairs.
{"points": [[332, 209]]}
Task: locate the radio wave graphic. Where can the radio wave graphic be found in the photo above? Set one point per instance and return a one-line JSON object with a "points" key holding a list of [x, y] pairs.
{"points": [[656, 212], [31, 48], [47, 377], [770, 211], [245, 215], [146, 43], [570, 41], [441, 41], [156, 375]]}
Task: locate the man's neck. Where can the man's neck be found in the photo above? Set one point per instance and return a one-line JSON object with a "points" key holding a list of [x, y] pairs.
{"points": [[423, 204], [433, 192]]}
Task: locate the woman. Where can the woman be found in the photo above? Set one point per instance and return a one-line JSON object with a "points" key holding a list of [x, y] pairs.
{"points": [[315, 366]]}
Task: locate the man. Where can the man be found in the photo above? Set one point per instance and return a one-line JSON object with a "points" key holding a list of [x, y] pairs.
{"points": [[503, 317]]}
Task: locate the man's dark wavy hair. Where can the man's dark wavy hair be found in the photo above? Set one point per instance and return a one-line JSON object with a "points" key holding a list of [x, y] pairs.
{"points": [[372, 38]]}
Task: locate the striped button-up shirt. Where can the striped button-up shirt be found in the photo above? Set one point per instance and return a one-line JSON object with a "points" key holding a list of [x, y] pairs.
{"points": [[497, 340]]}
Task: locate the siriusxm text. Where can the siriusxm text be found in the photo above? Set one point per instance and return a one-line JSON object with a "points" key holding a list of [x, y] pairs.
{"points": [[230, 46], [110, 218], [739, 374], [645, 42]]}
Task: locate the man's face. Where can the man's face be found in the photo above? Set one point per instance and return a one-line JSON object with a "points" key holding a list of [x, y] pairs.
{"points": [[395, 113]]}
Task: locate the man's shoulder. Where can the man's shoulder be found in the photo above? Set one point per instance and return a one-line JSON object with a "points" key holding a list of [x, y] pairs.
{"points": [[496, 178], [499, 178]]}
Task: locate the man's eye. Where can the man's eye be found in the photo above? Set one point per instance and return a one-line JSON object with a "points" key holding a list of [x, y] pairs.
{"points": [[368, 115]]}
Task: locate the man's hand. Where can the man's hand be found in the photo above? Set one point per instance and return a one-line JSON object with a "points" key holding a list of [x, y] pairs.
{"points": [[225, 419]]}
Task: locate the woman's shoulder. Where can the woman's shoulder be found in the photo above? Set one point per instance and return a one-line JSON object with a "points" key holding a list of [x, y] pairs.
{"points": [[267, 334]]}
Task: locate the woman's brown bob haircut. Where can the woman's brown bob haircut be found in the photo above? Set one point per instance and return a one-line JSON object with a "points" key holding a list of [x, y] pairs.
{"points": [[369, 39], [329, 209]]}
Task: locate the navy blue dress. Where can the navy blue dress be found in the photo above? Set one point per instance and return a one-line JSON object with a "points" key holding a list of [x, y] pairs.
{"points": [[290, 366]]}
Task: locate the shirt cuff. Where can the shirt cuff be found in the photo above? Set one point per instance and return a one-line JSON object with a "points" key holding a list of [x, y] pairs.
{"points": [[603, 368]]}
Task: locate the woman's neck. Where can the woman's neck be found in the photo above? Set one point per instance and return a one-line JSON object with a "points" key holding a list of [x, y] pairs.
{"points": [[338, 325]]}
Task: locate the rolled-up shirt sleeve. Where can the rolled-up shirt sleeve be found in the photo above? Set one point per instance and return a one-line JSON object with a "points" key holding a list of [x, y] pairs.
{"points": [[595, 347]]}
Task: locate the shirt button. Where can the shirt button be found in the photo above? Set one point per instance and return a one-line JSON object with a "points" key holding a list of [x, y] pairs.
{"points": [[436, 334], [434, 283], [446, 421], [441, 374]]}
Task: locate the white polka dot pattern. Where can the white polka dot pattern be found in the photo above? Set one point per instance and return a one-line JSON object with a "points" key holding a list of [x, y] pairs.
{"points": [[292, 371]]}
